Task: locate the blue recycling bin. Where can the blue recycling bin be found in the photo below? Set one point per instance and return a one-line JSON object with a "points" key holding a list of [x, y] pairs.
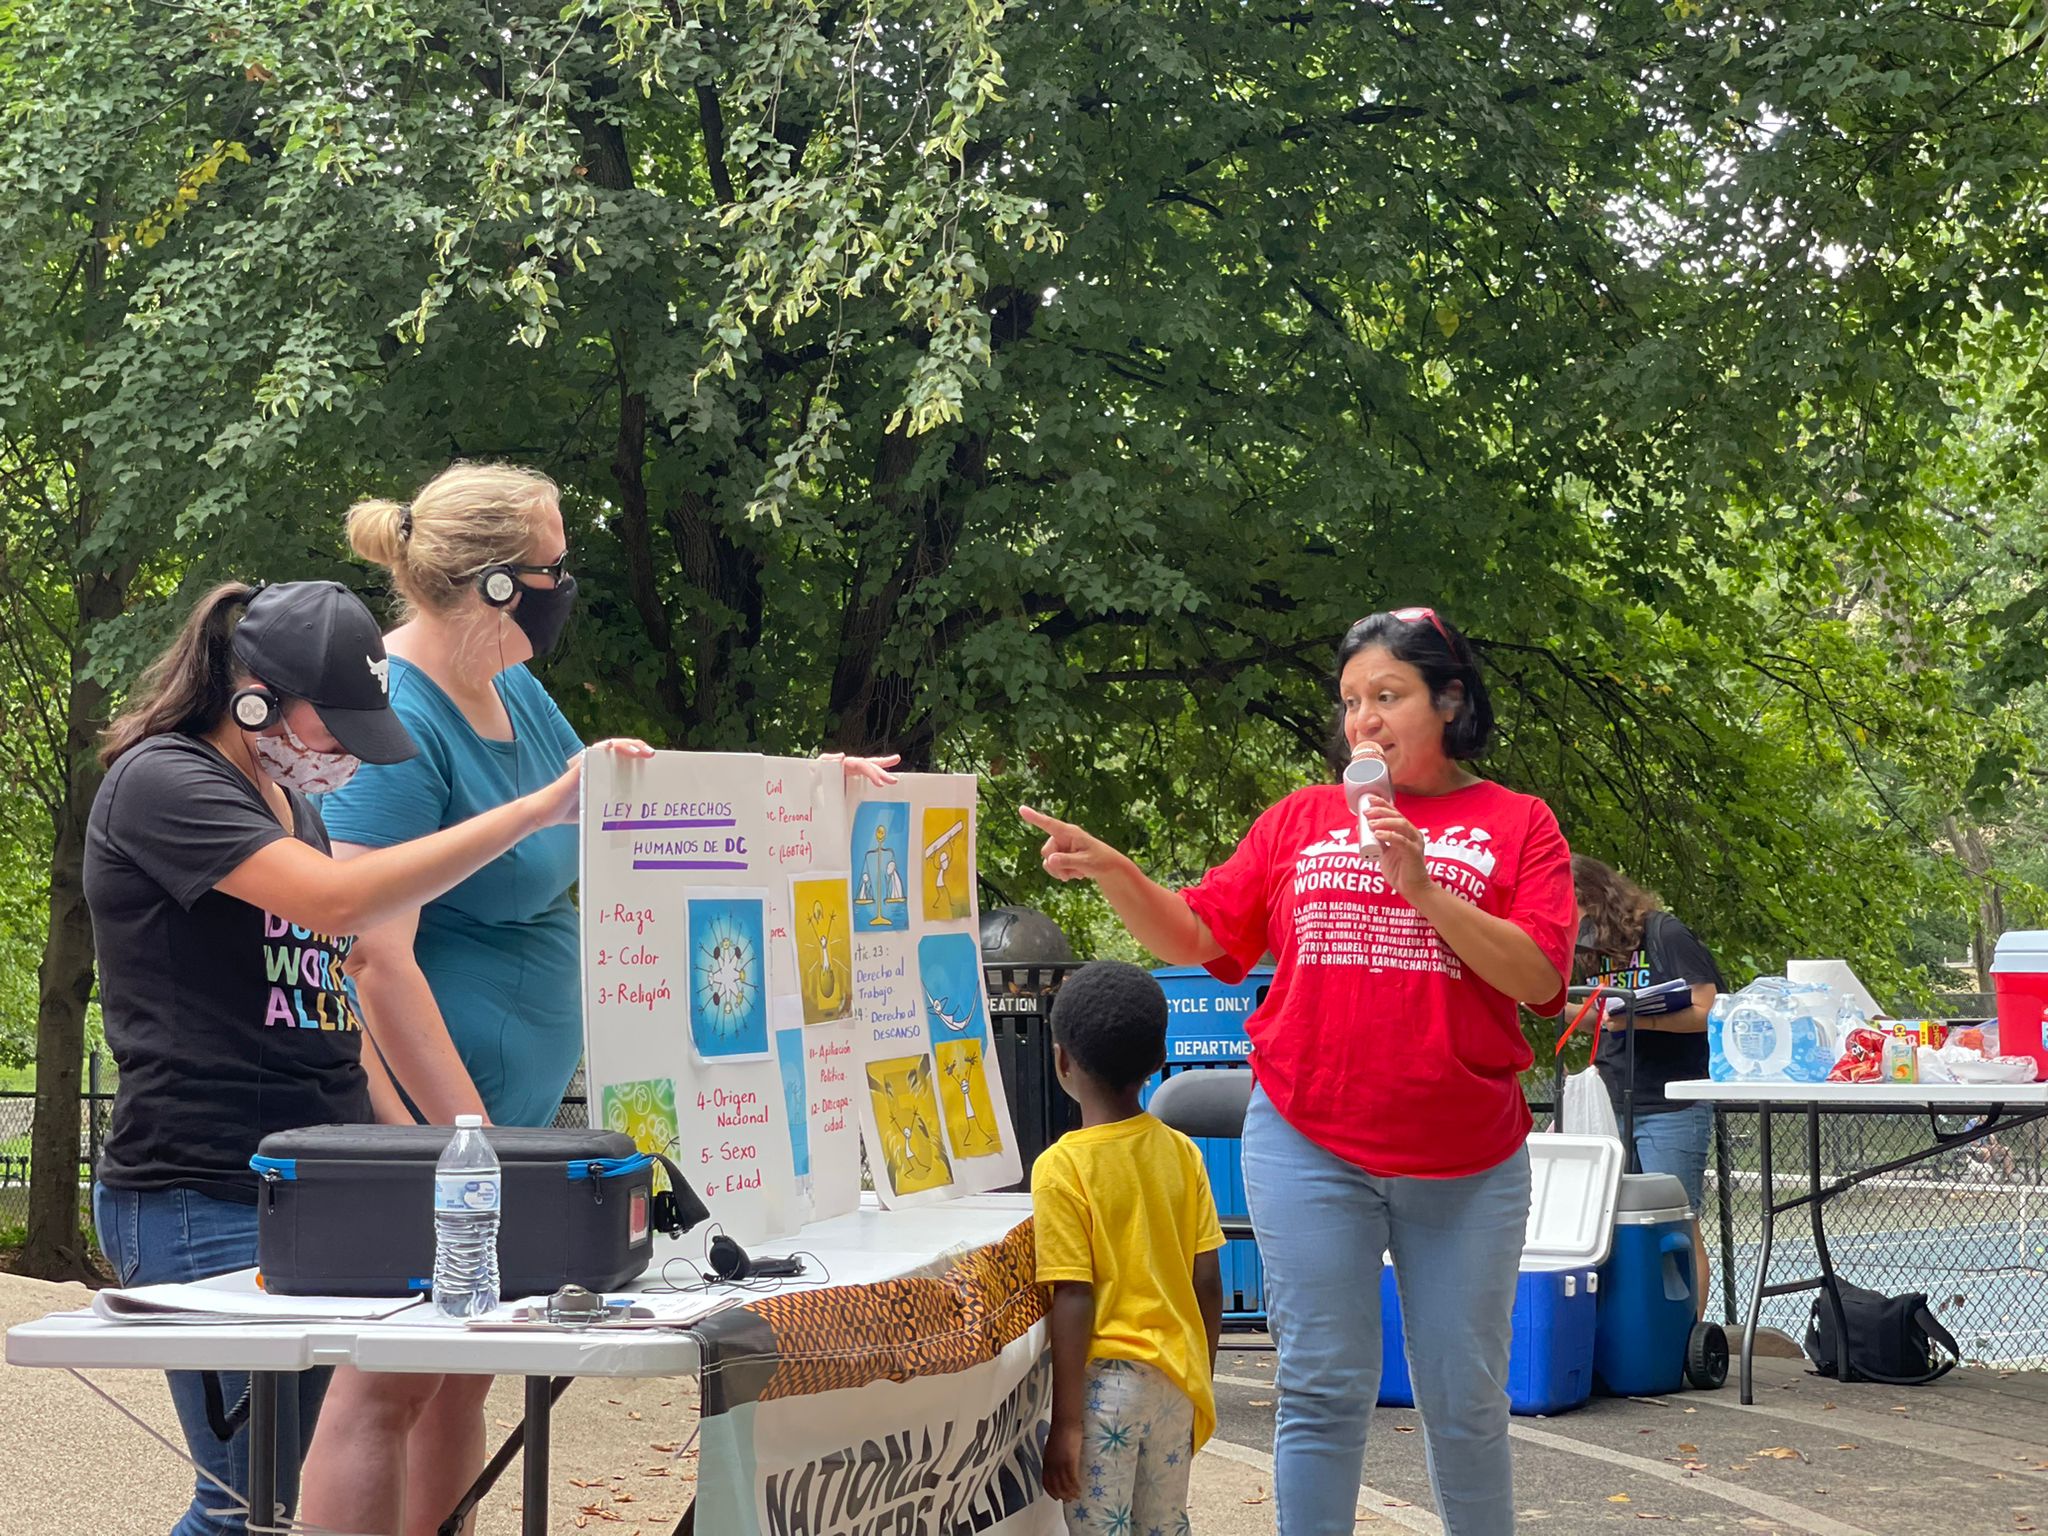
{"points": [[1647, 1291], [1205, 1022]]}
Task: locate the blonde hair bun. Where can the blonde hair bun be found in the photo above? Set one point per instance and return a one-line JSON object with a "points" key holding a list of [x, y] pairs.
{"points": [[376, 532], [460, 523]]}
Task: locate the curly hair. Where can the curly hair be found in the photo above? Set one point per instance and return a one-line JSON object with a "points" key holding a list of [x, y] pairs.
{"points": [[1111, 1017], [1613, 909]]}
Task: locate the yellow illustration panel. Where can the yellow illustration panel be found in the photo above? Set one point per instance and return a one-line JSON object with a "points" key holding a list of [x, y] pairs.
{"points": [[948, 864], [970, 1120], [907, 1121], [823, 935]]}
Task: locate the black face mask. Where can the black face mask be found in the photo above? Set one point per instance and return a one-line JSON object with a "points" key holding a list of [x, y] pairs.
{"points": [[543, 612]]}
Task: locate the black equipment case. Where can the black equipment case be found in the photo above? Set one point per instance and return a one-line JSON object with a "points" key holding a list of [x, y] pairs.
{"points": [[348, 1210]]}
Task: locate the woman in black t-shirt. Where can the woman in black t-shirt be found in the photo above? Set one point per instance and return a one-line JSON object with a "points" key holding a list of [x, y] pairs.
{"points": [[1627, 939], [222, 926]]}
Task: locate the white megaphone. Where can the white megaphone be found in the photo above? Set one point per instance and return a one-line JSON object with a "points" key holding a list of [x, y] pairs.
{"points": [[1366, 777]]}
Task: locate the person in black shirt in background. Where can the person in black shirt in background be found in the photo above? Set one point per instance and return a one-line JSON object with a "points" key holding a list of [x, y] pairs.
{"points": [[222, 925], [1627, 939]]}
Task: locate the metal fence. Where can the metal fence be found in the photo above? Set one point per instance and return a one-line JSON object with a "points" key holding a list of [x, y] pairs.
{"points": [[1968, 1227], [17, 1119]]}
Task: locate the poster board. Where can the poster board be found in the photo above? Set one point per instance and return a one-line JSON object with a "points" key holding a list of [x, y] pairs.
{"points": [[772, 972]]}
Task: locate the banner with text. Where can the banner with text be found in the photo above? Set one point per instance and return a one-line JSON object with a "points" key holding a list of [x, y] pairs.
{"points": [[914, 1407]]}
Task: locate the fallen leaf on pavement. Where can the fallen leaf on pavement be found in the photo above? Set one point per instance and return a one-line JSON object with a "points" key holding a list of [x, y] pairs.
{"points": [[1845, 1447], [667, 1448], [1644, 1514], [1617, 1498], [1688, 1450], [632, 1413], [1404, 1429], [1257, 1498], [1261, 1402], [1780, 1453]]}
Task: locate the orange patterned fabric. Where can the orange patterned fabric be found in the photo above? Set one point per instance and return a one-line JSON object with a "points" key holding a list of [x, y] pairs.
{"points": [[847, 1336]]}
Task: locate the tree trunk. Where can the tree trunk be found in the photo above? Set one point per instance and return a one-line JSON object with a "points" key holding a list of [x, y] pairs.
{"points": [[1988, 921], [54, 1250]]}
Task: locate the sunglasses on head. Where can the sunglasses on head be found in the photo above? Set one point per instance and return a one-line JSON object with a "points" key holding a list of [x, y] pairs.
{"points": [[1417, 615]]}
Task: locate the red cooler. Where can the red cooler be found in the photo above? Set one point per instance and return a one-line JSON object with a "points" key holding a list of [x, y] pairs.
{"points": [[2019, 973]]}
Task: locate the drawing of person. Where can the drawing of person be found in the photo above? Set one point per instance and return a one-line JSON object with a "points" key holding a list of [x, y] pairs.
{"points": [[961, 1070]]}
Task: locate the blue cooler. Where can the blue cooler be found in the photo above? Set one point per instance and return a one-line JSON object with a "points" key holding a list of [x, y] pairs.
{"points": [[1573, 1180], [1647, 1303]]}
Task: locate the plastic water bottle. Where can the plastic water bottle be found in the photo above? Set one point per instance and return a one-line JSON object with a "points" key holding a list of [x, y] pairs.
{"points": [[466, 1187]]}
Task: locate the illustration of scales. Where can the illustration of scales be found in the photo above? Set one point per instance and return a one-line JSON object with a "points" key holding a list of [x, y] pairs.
{"points": [[881, 880]]}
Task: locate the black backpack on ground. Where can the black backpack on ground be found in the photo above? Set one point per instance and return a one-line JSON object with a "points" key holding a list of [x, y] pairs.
{"points": [[1892, 1339]]}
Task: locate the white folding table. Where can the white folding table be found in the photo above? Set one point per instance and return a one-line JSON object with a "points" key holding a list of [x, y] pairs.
{"points": [[862, 1248], [1990, 1108]]}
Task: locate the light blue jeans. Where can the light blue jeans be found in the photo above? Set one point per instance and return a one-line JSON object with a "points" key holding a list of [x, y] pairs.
{"points": [[1676, 1141], [1323, 1225], [155, 1237]]}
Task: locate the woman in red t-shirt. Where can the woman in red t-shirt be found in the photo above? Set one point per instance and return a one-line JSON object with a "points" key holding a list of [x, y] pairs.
{"points": [[1388, 1117]]}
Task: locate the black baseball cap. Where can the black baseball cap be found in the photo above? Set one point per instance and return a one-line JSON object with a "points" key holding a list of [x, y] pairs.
{"points": [[314, 640]]}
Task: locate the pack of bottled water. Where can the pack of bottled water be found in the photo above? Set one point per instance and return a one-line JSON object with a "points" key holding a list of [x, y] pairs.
{"points": [[1775, 1030]]}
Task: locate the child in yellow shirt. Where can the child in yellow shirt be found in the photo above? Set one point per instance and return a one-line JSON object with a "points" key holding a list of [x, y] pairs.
{"points": [[1127, 1238]]}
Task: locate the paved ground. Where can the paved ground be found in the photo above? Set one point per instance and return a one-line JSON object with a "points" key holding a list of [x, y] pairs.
{"points": [[1967, 1456]]}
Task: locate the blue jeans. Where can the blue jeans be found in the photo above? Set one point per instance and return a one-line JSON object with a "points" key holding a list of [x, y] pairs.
{"points": [[1676, 1141], [156, 1237], [1323, 1225]]}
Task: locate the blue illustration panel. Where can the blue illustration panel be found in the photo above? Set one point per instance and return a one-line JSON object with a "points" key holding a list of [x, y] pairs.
{"points": [[880, 852], [789, 1050], [728, 979], [950, 966]]}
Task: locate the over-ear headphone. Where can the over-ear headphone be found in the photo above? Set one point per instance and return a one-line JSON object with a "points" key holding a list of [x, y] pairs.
{"points": [[730, 1261], [255, 708], [499, 584]]}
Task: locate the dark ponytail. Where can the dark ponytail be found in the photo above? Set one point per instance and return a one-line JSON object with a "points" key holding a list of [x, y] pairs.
{"points": [[188, 686]]}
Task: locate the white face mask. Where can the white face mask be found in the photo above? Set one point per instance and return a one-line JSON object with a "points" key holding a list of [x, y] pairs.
{"points": [[290, 762]]}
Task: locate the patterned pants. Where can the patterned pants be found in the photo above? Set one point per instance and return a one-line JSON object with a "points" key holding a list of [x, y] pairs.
{"points": [[1135, 1454]]}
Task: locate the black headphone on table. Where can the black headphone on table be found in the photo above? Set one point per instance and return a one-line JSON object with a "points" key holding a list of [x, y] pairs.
{"points": [[731, 1262], [499, 584], [255, 708]]}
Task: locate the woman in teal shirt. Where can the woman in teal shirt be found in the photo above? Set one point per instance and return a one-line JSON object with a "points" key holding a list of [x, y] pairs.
{"points": [[487, 978]]}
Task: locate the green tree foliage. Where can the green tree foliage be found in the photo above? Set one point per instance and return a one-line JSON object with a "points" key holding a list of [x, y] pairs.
{"points": [[1042, 388]]}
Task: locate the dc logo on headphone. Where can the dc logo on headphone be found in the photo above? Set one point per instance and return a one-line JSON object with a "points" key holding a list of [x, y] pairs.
{"points": [[498, 585], [255, 709]]}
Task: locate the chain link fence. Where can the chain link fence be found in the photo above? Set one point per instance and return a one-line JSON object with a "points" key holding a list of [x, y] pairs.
{"points": [[1969, 1226], [17, 1121]]}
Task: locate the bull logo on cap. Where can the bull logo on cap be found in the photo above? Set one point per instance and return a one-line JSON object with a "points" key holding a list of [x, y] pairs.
{"points": [[380, 668]]}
